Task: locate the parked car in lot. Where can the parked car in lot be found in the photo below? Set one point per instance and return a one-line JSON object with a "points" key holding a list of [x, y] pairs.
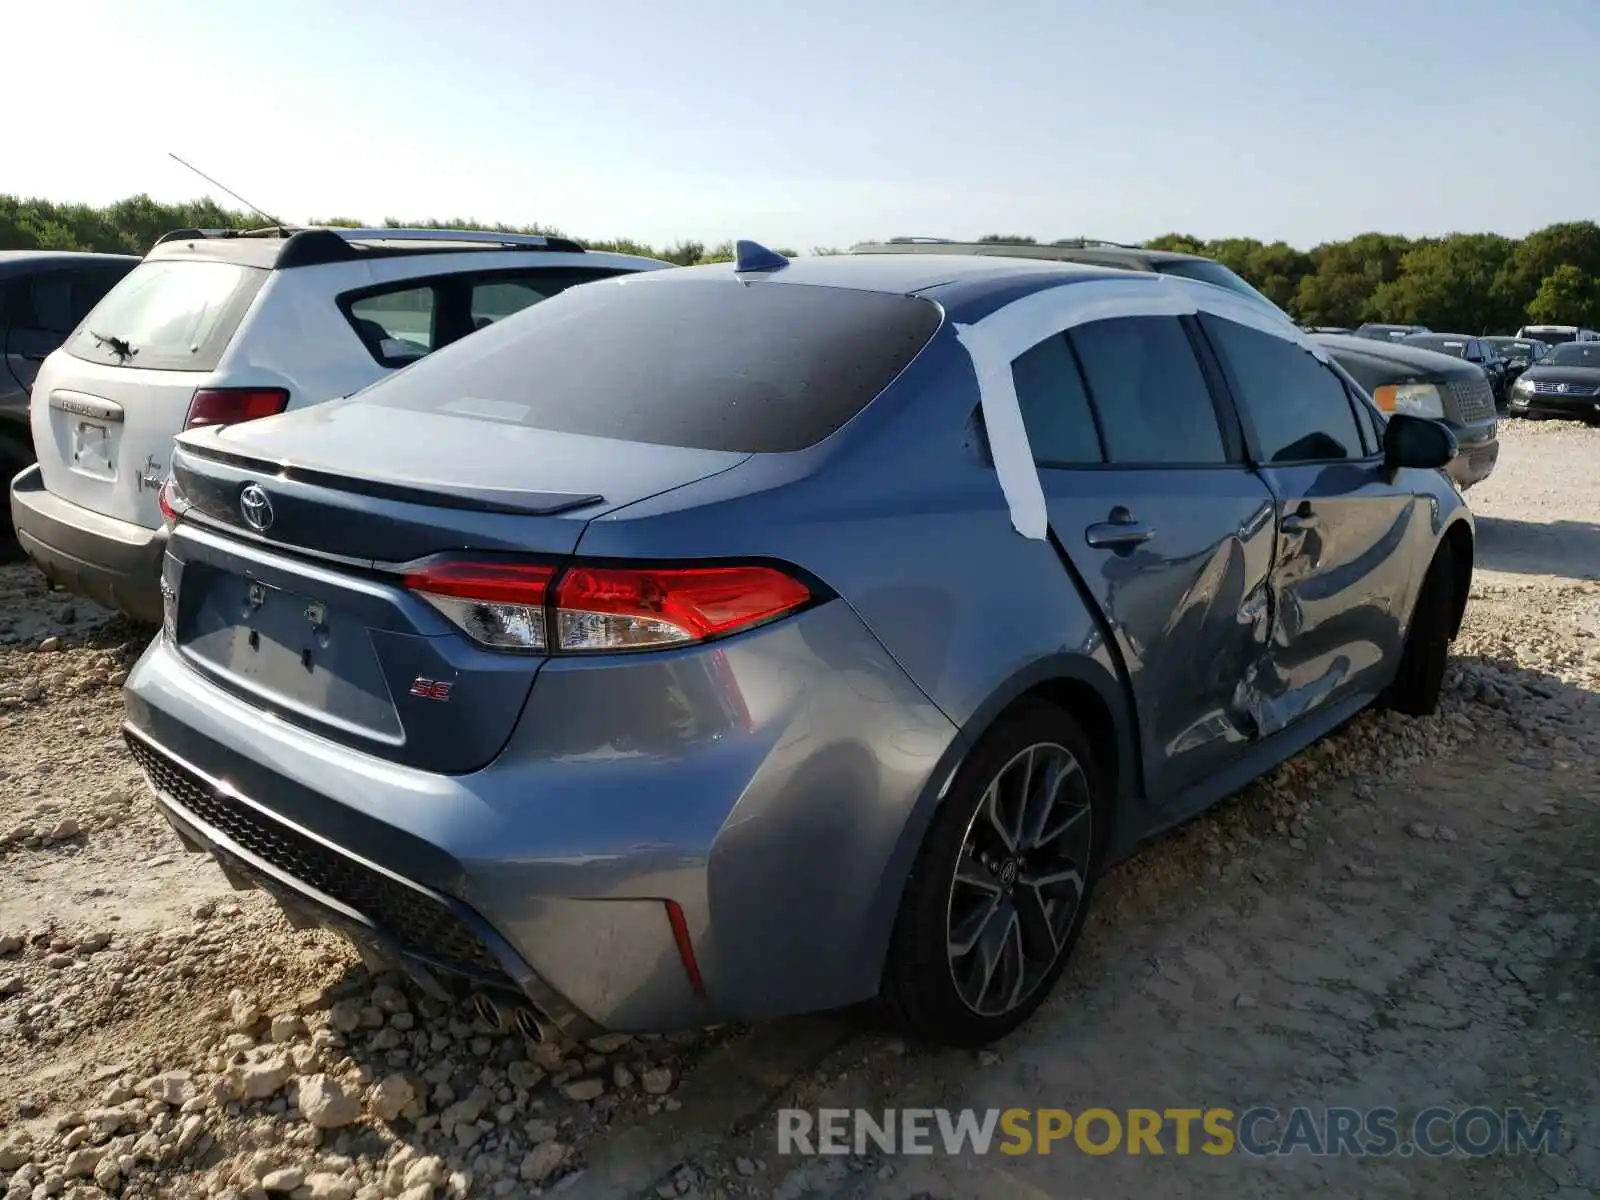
{"points": [[1088, 252], [1517, 353], [1554, 335], [43, 296], [727, 642], [1564, 383], [222, 327], [1404, 378], [1379, 332], [1476, 351]]}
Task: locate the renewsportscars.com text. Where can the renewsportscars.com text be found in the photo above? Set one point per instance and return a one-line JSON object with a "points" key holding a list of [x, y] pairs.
{"points": [[1260, 1131]]}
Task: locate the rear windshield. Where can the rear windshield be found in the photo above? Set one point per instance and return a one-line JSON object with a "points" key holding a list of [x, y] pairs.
{"points": [[1573, 354], [168, 315], [1213, 273], [1551, 336], [1455, 347], [707, 363]]}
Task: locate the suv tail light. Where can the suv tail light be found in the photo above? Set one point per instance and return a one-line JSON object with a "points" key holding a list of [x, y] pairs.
{"points": [[230, 406], [594, 609]]}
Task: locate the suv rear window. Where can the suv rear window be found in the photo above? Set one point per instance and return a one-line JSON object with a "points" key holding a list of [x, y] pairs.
{"points": [[1214, 273], [710, 363], [174, 316]]}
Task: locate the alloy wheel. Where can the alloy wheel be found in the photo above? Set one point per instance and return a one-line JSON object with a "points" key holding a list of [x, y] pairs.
{"points": [[1019, 879]]}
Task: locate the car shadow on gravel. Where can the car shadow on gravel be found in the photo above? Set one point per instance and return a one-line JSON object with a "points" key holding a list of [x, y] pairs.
{"points": [[1566, 549]]}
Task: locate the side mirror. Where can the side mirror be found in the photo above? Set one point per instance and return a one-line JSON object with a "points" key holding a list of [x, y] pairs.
{"points": [[1417, 442]]}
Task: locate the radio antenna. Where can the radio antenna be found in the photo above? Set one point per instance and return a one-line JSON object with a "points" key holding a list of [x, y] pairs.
{"points": [[253, 208]]}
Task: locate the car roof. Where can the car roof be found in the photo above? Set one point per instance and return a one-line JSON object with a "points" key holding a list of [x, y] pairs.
{"points": [[969, 287], [1096, 252], [1394, 354], [18, 262], [1436, 333]]}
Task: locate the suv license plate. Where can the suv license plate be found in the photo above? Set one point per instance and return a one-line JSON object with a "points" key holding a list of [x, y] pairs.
{"points": [[91, 449]]}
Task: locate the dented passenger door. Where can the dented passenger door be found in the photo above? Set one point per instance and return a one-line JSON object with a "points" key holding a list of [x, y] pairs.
{"points": [[1169, 530], [1344, 558]]}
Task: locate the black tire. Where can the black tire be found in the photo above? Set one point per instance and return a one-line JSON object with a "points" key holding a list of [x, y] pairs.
{"points": [[919, 992], [1416, 687]]}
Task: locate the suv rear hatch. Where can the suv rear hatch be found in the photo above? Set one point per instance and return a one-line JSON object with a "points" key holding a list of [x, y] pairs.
{"points": [[106, 405], [302, 539]]}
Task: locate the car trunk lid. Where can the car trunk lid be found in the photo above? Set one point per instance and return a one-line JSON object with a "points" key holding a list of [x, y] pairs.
{"points": [[299, 605]]}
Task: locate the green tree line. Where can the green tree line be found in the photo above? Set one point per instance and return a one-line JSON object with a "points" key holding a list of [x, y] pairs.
{"points": [[1462, 282]]}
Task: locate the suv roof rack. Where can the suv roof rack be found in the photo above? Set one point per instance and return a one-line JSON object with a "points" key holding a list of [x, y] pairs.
{"points": [[1077, 243], [1089, 243], [310, 245]]}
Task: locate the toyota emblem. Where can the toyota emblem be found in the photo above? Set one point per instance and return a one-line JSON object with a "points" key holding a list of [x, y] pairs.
{"points": [[256, 507]]}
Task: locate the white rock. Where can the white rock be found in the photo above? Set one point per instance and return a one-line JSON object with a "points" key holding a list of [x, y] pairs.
{"points": [[325, 1185], [656, 1081], [284, 1180], [425, 1172], [390, 1097], [286, 1027], [583, 1090], [542, 1162], [524, 1075], [170, 1087], [326, 1104]]}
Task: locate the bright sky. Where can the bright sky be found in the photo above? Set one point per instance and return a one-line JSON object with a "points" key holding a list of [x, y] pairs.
{"points": [[825, 122]]}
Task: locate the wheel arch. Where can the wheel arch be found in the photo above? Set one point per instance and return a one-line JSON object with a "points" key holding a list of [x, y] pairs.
{"points": [[1076, 682], [1458, 535]]}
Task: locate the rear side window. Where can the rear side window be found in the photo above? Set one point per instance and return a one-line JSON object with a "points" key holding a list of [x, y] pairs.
{"points": [[396, 326], [402, 322], [705, 362], [1055, 407], [1297, 408], [1148, 388], [172, 315], [495, 299]]}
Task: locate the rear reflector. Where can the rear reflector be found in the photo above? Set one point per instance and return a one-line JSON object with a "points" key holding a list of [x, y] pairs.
{"points": [[230, 406], [680, 935], [524, 606]]}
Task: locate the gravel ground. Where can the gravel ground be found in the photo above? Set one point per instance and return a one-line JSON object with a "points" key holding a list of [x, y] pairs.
{"points": [[1406, 914]]}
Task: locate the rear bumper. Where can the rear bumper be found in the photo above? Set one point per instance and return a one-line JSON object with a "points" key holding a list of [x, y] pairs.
{"points": [[112, 562], [778, 811]]}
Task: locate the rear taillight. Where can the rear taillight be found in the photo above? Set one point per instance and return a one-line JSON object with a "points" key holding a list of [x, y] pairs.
{"points": [[592, 609], [611, 608], [497, 604], [169, 502], [230, 406]]}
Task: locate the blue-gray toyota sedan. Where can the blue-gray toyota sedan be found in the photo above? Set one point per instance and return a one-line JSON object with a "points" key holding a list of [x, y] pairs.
{"points": [[743, 640]]}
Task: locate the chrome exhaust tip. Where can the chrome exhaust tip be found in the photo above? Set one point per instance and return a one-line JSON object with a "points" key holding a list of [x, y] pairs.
{"points": [[487, 1010], [529, 1024]]}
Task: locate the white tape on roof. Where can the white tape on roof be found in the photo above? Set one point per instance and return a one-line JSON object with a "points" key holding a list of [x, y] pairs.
{"points": [[1006, 334]]}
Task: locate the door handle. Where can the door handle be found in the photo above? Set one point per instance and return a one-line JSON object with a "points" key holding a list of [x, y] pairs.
{"points": [[1299, 523], [1118, 535]]}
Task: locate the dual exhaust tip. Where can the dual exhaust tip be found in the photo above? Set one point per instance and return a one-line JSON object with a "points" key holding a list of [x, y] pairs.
{"points": [[524, 1018]]}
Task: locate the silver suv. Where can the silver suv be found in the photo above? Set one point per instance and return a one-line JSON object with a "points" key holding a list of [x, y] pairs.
{"points": [[222, 326]]}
